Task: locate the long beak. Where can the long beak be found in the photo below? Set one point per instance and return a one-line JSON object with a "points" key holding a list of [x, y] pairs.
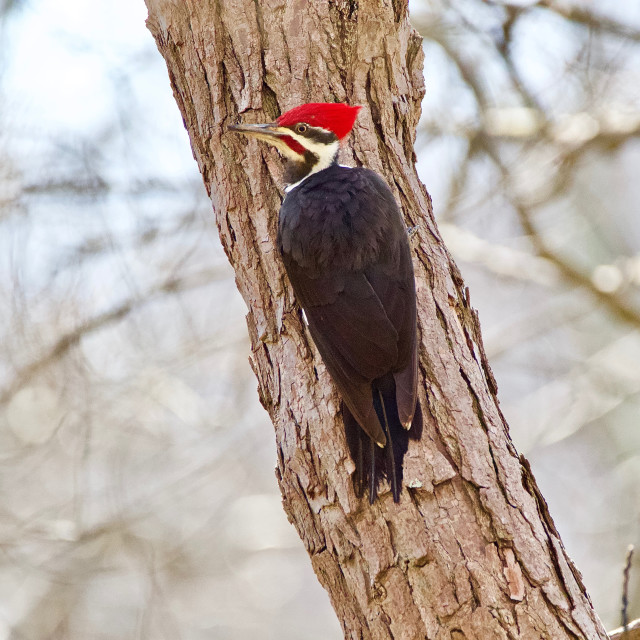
{"points": [[267, 131], [271, 133]]}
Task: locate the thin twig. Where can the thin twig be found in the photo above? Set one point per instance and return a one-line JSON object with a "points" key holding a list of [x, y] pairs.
{"points": [[632, 633], [72, 338], [620, 306], [595, 21], [625, 588]]}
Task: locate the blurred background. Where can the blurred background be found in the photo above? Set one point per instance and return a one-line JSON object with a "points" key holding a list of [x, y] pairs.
{"points": [[137, 488]]}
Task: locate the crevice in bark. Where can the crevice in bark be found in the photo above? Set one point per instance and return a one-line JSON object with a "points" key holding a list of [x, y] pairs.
{"points": [[375, 111], [343, 17], [443, 323], [270, 102], [399, 10]]}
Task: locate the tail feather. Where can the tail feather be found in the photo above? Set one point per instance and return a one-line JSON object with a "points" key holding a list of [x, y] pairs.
{"points": [[392, 468], [373, 479], [374, 463]]}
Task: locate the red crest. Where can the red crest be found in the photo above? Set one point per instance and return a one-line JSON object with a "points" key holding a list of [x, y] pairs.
{"points": [[333, 116]]}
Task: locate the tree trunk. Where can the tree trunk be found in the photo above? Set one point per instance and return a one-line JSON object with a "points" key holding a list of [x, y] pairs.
{"points": [[471, 550]]}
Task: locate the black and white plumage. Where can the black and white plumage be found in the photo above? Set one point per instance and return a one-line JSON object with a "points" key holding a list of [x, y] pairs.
{"points": [[346, 251]]}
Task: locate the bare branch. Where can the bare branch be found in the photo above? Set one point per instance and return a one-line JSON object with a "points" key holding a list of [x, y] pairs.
{"points": [[632, 632], [625, 588], [72, 338], [589, 19]]}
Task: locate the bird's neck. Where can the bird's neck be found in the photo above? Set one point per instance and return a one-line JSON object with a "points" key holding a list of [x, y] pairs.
{"points": [[296, 171]]}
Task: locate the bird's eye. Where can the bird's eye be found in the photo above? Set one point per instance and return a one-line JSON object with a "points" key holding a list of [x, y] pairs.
{"points": [[301, 128]]}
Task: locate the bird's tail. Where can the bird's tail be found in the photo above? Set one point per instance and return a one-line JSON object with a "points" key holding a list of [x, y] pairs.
{"points": [[373, 462]]}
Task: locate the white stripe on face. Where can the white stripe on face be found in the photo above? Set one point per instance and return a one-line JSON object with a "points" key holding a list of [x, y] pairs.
{"points": [[326, 153]]}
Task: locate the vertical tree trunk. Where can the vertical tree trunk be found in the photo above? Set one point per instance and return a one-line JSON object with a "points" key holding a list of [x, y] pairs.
{"points": [[470, 551]]}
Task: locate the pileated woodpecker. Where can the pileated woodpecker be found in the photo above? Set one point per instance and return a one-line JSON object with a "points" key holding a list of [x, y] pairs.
{"points": [[346, 251]]}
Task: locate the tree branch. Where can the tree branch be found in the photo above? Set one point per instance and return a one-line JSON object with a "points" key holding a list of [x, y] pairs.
{"points": [[632, 632], [63, 345]]}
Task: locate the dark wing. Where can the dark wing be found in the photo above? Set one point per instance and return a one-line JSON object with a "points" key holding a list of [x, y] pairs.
{"points": [[346, 253], [395, 288], [353, 334]]}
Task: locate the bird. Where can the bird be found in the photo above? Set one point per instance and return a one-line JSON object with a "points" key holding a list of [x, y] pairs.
{"points": [[346, 252]]}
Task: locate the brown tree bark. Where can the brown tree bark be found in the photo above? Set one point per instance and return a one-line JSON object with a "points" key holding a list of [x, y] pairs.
{"points": [[471, 551]]}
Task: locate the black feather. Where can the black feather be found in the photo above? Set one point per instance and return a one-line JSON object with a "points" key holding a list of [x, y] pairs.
{"points": [[346, 251], [373, 464]]}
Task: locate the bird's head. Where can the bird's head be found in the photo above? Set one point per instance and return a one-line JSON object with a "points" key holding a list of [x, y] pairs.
{"points": [[308, 136]]}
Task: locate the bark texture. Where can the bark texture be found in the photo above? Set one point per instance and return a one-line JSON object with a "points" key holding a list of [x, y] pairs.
{"points": [[471, 551]]}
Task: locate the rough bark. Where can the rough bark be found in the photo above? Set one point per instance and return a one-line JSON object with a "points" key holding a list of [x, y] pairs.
{"points": [[471, 551]]}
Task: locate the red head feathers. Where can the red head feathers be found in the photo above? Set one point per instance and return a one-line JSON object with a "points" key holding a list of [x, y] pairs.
{"points": [[336, 117]]}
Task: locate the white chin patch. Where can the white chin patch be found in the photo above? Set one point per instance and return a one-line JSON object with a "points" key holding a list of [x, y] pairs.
{"points": [[326, 154]]}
